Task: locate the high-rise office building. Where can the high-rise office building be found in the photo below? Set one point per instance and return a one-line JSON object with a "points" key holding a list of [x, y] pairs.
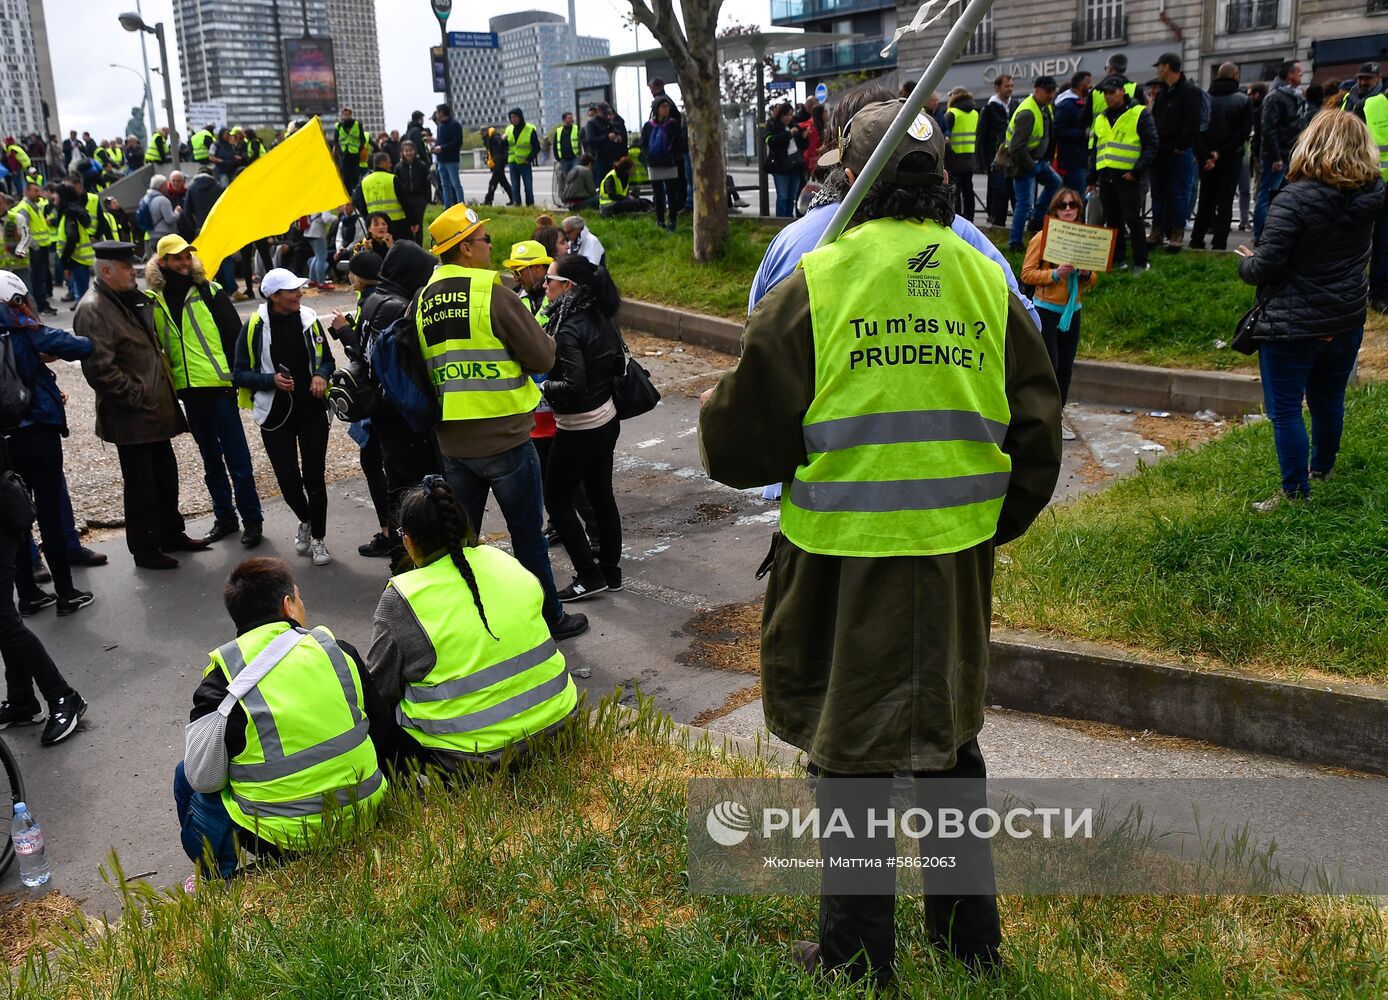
{"points": [[357, 54], [234, 53], [521, 68], [26, 72]]}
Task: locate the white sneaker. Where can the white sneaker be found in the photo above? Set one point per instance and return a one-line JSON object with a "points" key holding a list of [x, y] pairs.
{"points": [[301, 538], [1067, 433], [321, 555]]}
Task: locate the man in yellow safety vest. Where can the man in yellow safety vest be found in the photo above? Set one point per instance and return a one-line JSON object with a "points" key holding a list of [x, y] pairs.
{"points": [[480, 345], [1375, 115], [1123, 146], [351, 141], [296, 742], [904, 398], [376, 193], [1030, 142], [522, 148]]}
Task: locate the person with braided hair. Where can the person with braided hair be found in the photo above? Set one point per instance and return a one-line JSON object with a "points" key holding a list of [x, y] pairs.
{"points": [[460, 645]]}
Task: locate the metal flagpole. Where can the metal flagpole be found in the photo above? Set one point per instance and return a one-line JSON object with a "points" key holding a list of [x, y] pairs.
{"points": [[949, 51]]}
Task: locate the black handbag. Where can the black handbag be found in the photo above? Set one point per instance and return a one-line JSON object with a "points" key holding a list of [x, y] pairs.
{"points": [[16, 503], [633, 392], [1244, 333]]}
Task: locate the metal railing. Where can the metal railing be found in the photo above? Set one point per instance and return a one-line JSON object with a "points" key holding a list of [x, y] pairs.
{"points": [[980, 43], [845, 57], [1100, 26], [1251, 15], [794, 11]]}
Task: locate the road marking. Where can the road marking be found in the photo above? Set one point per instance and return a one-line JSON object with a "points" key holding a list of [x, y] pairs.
{"points": [[649, 444]]}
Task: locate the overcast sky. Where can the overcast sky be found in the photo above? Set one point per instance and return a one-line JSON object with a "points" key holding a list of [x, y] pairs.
{"points": [[84, 37]]}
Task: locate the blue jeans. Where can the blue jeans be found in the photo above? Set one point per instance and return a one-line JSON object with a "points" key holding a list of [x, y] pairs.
{"points": [[523, 173], [514, 476], [1173, 175], [450, 187], [1271, 182], [216, 427], [1318, 371], [1076, 178], [787, 191], [206, 826], [1024, 191], [318, 264], [226, 275], [1378, 263], [79, 276]]}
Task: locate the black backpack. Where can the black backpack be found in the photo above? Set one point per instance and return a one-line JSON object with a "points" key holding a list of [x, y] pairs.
{"points": [[15, 396]]}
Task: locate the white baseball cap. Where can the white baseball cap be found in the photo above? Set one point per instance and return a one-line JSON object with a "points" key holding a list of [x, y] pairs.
{"points": [[280, 279]]}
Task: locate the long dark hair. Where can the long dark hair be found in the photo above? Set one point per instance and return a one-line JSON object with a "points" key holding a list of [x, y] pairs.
{"points": [[582, 272], [434, 519]]}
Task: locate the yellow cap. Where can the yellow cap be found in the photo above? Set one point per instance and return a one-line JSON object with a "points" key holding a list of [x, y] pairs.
{"points": [[172, 244], [453, 226], [527, 253]]}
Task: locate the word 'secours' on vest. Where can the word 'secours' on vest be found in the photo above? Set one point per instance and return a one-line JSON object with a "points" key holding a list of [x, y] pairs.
{"points": [[308, 746], [483, 693], [471, 370], [904, 434]]}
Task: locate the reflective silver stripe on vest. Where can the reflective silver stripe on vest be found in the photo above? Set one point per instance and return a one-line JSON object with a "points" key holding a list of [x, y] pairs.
{"points": [[257, 708], [499, 712], [481, 384], [901, 494], [471, 354], [202, 340], [902, 428], [278, 764], [284, 766], [485, 678], [311, 807]]}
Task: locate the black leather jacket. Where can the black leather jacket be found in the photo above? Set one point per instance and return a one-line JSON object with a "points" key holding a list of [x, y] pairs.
{"points": [[1231, 120], [1311, 260], [587, 354]]}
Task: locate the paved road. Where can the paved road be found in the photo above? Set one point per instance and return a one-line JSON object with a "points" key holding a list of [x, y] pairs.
{"points": [[691, 546]]}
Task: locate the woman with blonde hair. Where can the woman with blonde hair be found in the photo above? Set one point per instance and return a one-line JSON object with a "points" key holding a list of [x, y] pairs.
{"points": [[1309, 268]]}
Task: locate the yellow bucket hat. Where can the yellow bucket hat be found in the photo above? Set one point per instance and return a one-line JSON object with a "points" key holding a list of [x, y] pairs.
{"points": [[527, 253], [453, 226]]}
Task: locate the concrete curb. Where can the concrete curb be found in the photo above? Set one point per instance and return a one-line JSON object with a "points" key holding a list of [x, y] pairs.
{"points": [[1340, 725], [1111, 383]]}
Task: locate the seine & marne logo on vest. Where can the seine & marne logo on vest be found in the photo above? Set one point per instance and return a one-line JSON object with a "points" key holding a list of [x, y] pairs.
{"points": [[920, 286]]}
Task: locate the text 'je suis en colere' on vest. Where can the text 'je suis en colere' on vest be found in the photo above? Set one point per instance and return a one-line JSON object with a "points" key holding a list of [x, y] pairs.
{"points": [[959, 354]]}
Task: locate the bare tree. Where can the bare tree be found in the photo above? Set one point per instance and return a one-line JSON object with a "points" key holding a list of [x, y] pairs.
{"points": [[692, 46]]}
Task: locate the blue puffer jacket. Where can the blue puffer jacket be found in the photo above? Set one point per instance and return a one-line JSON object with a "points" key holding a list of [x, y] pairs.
{"points": [[30, 339]]}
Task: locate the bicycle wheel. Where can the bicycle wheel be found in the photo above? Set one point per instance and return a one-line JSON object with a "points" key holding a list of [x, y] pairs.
{"points": [[11, 790]]}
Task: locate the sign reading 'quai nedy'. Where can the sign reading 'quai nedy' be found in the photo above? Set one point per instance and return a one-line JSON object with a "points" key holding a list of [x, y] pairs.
{"points": [[1024, 67]]}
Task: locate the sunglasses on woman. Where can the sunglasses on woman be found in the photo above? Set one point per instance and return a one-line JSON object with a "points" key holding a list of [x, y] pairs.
{"points": [[1068, 204], [554, 277]]}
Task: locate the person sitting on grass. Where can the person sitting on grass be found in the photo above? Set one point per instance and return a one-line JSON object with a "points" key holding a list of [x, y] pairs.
{"points": [[460, 644], [580, 189], [279, 733], [614, 193]]}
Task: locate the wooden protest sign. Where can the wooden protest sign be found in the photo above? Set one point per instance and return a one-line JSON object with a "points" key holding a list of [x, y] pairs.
{"points": [[1089, 248]]}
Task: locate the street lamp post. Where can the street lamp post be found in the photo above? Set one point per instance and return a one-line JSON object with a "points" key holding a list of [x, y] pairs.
{"points": [[134, 22], [149, 89]]}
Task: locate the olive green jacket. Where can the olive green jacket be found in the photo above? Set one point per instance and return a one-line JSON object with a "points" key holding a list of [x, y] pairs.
{"points": [[872, 665]]}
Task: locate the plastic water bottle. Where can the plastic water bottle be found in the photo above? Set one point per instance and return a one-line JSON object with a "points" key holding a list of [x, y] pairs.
{"points": [[28, 844]]}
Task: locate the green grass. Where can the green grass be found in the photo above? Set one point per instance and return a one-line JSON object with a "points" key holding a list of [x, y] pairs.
{"points": [[653, 265], [1171, 316], [568, 879], [1172, 560]]}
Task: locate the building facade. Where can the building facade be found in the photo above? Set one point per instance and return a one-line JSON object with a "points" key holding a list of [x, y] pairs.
{"points": [[357, 59], [26, 72], [1030, 38], [854, 59], [522, 71]]}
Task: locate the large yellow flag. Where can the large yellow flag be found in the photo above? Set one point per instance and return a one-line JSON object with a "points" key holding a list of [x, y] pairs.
{"points": [[297, 177]]}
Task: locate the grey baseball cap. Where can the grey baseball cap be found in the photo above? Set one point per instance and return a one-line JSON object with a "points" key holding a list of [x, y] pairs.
{"points": [[866, 129]]}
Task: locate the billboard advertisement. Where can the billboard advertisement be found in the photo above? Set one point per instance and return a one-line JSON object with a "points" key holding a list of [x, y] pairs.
{"points": [[312, 84]]}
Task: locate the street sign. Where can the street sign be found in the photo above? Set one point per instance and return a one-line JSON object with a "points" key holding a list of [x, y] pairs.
{"points": [[438, 68], [472, 40], [442, 8], [821, 93]]}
